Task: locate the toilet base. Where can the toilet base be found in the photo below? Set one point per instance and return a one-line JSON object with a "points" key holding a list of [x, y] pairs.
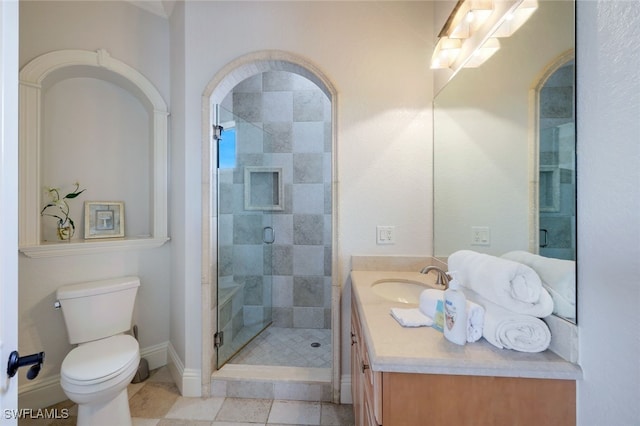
{"points": [[106, 413]]}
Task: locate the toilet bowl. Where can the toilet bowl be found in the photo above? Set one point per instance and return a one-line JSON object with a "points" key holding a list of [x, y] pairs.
{"points": [[95, 374]]}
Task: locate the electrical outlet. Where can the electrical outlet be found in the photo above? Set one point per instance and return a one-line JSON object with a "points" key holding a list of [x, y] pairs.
{"points": [[385, 234], [480, 236]]}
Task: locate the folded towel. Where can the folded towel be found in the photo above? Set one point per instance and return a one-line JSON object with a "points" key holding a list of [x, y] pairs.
{"points": [[411, 317], [475, 313], [558, 277], [508, 330], [509, 284]]}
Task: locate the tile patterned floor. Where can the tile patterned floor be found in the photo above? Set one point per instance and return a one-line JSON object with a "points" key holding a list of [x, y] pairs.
{"points": [[157, 402], [289, 347]]}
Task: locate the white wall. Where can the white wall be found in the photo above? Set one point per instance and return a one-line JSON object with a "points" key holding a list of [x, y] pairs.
{"points": [[377, 55], [608, 60], [139, 39]]}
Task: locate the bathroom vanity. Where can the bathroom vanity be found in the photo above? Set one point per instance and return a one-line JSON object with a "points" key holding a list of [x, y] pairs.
{"points": [[410, 376]]}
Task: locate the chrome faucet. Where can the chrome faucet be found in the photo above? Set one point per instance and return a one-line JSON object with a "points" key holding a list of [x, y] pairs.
{"points": [[443, 278]]}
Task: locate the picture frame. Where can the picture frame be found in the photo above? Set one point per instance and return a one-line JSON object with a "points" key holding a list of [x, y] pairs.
{"points": [[103, 219]]}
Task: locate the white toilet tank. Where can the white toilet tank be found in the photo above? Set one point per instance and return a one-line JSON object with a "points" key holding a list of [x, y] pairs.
{"points": [[98, 309]]}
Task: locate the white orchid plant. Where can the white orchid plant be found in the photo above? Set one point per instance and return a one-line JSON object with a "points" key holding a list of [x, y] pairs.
{"points": [[61, 207]]}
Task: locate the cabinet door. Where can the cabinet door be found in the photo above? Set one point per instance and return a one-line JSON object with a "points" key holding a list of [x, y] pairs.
{"points": [[369, 418], [476, 400], [366, 387], [356, 378], [372, 385]]}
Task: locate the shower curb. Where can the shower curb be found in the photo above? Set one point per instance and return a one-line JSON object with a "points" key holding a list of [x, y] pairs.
{"points": [[272, 382]]}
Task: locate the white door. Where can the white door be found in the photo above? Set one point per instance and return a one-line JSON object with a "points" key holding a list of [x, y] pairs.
{"points": [[8, 205]]}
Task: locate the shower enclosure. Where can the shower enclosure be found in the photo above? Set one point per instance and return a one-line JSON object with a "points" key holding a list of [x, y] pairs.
{"points": [[249, 190], [268, 231], [274, 189]]}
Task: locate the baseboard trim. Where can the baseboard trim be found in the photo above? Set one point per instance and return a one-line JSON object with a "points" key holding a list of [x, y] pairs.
{"points": [[44, 392], [188, 380], [345, 389], [155, 355], [41, 394]]}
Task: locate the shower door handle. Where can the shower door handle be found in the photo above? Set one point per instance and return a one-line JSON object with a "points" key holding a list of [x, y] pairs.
{"points": [[545, 234], [268, 235]]}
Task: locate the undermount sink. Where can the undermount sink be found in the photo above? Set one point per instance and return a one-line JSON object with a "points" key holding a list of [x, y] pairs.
{"points": [[402, 291]]}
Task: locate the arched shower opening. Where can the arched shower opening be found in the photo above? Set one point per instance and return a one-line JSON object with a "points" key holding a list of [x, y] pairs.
{"points": [[269, 237]]}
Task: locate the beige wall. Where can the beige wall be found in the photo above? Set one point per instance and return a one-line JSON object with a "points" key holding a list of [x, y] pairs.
{"points": [[377, 56]]}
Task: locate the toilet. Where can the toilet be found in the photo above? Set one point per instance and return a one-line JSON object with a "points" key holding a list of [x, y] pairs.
{"points": [[95, 374]]}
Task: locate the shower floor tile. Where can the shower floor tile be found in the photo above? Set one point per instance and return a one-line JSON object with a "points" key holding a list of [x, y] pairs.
{"points": [[288, 347]]}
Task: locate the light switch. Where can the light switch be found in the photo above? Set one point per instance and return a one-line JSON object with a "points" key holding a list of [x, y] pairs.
{"points": [[480, 236], [385, 234]]}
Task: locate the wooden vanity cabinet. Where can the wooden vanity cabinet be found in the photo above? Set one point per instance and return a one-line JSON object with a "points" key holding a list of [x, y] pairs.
{"points": [[410, 399], [366, 384]]}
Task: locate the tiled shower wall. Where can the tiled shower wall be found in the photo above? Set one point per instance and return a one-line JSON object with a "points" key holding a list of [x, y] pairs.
{"points": [[285, 121]]}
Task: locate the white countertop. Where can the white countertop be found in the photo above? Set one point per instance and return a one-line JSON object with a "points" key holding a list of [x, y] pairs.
{"points": [[393, 348]]}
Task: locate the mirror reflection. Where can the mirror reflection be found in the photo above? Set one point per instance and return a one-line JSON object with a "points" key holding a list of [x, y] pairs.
{"points": [[504, 150]]}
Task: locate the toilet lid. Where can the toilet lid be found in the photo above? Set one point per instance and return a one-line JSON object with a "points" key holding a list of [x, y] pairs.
{"points": [[100, 359]]}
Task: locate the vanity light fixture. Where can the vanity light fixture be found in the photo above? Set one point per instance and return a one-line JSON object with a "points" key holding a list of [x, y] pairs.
{"points": [[445, 52], [484, 52], [467, 17], [513, 20], [469, 37]]}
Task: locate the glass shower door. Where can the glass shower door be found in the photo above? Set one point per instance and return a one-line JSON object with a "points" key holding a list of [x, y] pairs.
{"points": [[557, 165], [249, 191]]}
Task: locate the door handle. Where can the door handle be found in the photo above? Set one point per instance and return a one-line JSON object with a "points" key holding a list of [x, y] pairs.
{"points": [[545, 234], [16, 361], [268, 235]]}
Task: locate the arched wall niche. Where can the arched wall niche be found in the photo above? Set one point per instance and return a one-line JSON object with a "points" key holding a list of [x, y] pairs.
{"points": [[35, 77], [220, 85]]}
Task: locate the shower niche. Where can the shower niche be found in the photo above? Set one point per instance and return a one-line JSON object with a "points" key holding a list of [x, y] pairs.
{"points": [[263, 188]]}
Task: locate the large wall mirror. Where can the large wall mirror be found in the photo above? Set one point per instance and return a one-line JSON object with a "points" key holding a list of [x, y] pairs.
{"points": [[504, 148]]}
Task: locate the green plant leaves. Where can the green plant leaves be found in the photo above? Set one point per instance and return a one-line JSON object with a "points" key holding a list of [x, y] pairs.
{"points": [[74, 194]]}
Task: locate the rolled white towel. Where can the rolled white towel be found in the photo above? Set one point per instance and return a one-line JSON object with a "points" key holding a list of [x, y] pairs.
{"points": [[512, 285], [507, 330], [475, 313], [411, 317], [558, 277]]}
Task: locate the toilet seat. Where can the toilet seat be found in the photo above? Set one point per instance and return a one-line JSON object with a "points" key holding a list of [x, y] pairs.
{"points": [[97, 362]]}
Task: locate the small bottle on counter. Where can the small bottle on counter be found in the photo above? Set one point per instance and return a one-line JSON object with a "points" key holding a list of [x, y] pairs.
{"points": [[455, 313]]}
